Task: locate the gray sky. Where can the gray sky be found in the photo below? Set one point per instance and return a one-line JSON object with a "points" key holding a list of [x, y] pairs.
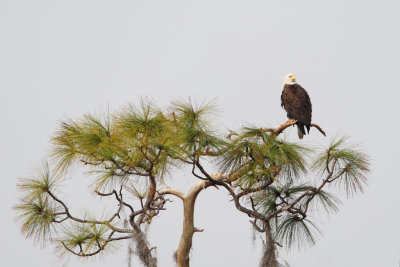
{"points": [[61, 59]]}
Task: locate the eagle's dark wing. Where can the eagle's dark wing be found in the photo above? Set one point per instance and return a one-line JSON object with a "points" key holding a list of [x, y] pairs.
{"points": [[297, 103]]}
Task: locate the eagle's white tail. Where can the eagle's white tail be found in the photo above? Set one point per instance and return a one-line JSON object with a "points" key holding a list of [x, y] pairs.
{"points": [[299, 132]]}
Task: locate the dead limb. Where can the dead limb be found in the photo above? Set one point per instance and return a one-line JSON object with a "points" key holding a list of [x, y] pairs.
{"points": [[286, 124], [189, 200]]}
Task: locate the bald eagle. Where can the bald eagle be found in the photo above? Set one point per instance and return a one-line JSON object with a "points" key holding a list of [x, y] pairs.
{"points": [[297, 103]]}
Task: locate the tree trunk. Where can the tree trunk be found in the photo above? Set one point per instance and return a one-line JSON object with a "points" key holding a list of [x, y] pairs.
{"points": [[143, 250], [185, 244], [269, 256], [142, 245]]}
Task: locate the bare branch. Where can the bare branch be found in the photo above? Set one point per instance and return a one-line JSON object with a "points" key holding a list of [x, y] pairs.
{"points": [[68, 214], [319, 128], [172, 191], [100, 247], [286, 124], [254, 223], [119, 199]]}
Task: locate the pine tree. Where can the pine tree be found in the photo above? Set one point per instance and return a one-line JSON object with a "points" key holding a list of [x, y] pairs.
{"points": [[271, 180]]}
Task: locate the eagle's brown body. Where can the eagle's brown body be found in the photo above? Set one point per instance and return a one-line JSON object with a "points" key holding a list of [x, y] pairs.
{"points": [[297, 103]]}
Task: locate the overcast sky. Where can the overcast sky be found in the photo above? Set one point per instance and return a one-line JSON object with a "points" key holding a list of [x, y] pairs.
{"points": [[61, 59]]}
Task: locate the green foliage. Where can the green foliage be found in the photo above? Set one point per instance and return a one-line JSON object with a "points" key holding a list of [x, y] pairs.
{"points": [[137, 190], [194, 115], [256, 156], [325, 201], [295, 200], [144, 123], [193, 129], [36, 211], [65, 150], [84, 239], [90, 139], [40, 183], [140, 140], [278, 196], [137, 141], [147, 138], [268, 199], [36, 215], [347, 165], [296, 231]]}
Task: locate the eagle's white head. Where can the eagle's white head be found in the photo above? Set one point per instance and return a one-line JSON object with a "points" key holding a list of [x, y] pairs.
{"points": [[289, 79]]}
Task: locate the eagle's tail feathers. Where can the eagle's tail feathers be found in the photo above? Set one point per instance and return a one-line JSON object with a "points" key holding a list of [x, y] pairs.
{"points": [[299, 132]]}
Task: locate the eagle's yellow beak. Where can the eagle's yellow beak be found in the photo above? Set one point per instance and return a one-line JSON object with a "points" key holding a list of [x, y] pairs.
{"points": [[293, 77]]}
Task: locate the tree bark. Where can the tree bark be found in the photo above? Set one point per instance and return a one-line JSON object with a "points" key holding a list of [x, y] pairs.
{"points": [[189, 200], [142, 245], [143, 250], [269, 256], [185, 244]]}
